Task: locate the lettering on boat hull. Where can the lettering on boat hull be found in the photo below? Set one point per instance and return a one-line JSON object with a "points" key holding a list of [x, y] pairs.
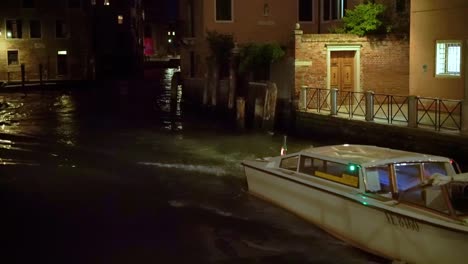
{"points": [[402, 221]]}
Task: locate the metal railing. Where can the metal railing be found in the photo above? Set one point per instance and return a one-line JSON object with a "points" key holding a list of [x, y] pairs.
{"points": [[351, 103], [318, 100], [439, 113], [413, 111]]}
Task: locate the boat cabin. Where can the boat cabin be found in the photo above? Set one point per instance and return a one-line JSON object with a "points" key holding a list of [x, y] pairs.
{"points": [[419, 180]]}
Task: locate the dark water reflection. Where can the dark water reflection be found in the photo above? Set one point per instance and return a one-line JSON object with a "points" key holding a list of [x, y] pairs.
{"points": [[89, 178]]}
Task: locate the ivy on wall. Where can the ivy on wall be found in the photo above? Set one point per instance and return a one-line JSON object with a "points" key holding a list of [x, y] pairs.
{"points": [[220, 44], [255, 55]]}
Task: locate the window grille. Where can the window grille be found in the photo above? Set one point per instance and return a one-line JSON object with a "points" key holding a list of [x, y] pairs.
{"points": [[448, 58]]}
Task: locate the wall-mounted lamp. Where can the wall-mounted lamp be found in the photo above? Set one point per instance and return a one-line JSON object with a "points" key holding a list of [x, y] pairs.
{"points": [[9, 34]]}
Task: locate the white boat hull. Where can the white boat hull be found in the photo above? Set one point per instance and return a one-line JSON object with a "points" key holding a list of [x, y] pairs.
{"points": [[376, 230]]}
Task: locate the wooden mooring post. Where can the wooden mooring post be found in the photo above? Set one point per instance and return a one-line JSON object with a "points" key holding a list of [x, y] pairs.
{"points": [[41, 84], [240, 113], [23, 78], [269, 110]]}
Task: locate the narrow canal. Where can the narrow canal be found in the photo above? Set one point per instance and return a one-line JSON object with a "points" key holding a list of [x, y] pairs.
{"points": [[85, 178]]}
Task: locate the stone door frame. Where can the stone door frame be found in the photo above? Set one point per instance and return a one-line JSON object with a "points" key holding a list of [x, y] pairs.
{"points": [[357, 62]]}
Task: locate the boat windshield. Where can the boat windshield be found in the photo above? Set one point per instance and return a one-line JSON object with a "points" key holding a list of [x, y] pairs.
{"points": [[411, 183], [458, 193], [412, 179]]}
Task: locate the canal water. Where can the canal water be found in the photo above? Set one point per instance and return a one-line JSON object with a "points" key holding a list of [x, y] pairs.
{"points": [[87, 177]]}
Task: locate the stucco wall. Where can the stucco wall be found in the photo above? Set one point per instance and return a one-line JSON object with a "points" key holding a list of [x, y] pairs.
{"points": [[383, 62], [432, 21], [249, 23]]}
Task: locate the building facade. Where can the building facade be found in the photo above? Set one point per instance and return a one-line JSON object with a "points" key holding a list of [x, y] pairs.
{"points": [[43, 32], [161, 29], [116, 33], [246, 21], [275, 21], [438, 48], [70, 39], [352, 64]]}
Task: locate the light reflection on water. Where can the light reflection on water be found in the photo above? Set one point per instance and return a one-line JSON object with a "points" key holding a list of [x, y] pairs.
{"points": [[65, 110], [169, 101], [40, 115]]}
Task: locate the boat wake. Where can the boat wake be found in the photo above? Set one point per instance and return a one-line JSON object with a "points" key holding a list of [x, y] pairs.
{"points": [[218, 171], [186, 204]]}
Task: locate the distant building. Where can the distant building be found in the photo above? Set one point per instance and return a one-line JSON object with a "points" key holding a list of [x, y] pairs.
{"points": [[71, 39], [116, 33], [161, 29], [43, 32]]}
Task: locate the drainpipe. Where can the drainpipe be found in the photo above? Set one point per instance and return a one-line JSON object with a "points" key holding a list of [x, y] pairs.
{"points": [[464, 112]]}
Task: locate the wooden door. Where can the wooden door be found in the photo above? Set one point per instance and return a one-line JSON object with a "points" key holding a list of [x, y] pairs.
{"points": [[342, 70]]}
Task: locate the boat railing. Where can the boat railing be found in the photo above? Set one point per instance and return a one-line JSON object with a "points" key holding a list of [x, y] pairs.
{"points": [[412, 111]]}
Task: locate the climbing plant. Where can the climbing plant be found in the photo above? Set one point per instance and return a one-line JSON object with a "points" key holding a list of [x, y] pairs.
{"points": [[220, 46], [256, 57]]}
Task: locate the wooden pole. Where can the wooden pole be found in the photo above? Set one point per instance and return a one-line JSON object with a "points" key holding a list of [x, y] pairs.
{"points": [[40, 77], [240, 117], [269, 112], [23, 77]]}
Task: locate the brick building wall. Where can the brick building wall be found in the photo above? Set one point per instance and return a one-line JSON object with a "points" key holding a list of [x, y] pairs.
{"points": [[382, 64], [44, 47]]}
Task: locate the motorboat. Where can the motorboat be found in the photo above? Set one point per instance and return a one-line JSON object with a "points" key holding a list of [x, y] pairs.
{"points": [[405, 206]]}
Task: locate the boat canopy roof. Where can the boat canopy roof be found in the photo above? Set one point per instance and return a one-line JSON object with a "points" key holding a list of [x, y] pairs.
{"points": [[368, 156]]}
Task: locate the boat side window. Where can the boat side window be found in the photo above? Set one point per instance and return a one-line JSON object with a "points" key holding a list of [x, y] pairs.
{"points": [[307, 165], [336, 172], [378, 179], [289, 163], [407, 175], [408, 180]]}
